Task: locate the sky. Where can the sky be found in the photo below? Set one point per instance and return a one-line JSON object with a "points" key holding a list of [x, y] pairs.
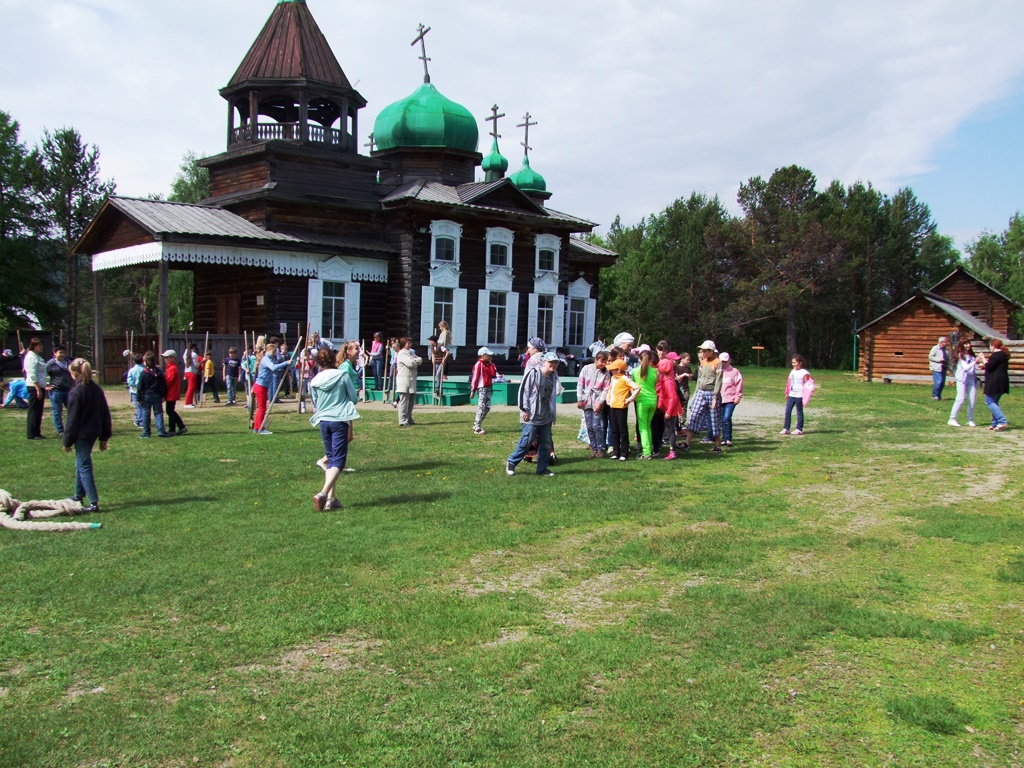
{"points": [[637, 103]]}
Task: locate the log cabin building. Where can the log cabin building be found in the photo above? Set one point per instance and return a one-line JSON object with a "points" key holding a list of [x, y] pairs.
{"points": [[302, 228], [895, 346]]}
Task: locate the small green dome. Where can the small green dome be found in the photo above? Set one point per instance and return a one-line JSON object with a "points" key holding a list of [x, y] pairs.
{"points": [[495, 162], [527, 179], [426, 119]]}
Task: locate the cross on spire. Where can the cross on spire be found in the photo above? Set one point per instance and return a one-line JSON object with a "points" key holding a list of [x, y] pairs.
{"points": [[421, 39], [371, 144], [526, 139], [493, 119]]}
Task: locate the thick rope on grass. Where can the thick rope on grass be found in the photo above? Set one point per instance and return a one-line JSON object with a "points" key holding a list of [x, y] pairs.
{"points": [[32, 515]]}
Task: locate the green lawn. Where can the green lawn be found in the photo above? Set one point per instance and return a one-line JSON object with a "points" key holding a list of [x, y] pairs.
{"points": [[851, 597]]}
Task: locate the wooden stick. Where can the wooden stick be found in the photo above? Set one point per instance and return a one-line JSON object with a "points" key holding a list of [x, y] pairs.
{"points": [[21, 347], [202, 370]]}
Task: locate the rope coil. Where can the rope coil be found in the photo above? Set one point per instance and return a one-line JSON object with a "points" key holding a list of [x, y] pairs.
{"points": [[33, 515]]}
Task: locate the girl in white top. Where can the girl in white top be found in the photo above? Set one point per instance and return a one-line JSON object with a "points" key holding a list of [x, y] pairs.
{"points": [[798, 378], [966, 383]]}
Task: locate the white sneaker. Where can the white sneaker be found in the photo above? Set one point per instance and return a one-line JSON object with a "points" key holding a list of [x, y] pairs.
{"points": [[971, 424], [784, 432], [264, 432], [798, 431], [190, 406], [953, 423]]}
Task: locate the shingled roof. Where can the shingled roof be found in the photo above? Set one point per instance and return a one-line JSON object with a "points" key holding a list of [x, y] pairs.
{"points": [[291, 47]]}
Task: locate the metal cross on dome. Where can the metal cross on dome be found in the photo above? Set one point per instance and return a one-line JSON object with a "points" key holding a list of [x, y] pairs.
{"points": [[371, 144], [421, 39], [493, 119], [526, 124]]}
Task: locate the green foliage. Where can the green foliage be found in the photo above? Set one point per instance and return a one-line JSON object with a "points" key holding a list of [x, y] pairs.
{"points": [[192, 183], [933, 713], [999, 261], [797, 270], [71, 194]]}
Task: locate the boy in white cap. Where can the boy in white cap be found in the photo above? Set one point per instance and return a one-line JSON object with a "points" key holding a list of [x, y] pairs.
{"points": [[537, 405], [484, 374]]}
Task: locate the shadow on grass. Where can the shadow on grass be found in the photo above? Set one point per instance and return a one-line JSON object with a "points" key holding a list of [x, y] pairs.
{"points": [[182, 502], [418, 466], [405, 498]]}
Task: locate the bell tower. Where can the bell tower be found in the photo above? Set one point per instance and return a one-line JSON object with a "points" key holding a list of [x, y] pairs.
{"points": [[290, 87]]}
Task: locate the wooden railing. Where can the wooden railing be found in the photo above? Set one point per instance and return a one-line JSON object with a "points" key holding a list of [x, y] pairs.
{"points": [[286, 132]]}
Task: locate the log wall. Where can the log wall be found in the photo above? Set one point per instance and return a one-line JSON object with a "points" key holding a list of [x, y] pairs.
{"points": [[980, 302]]}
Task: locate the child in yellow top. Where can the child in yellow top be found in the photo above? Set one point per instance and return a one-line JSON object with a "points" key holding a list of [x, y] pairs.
{"points": [[621, 392], [209, 380]]}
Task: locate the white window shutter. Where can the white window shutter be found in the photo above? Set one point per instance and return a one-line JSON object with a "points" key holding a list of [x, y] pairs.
{"points": [[558, 331], [460, 318], [427, 315], [351, 311], [590, 323], [315, 304], [482, 310], [512, 320], [531, 317]]}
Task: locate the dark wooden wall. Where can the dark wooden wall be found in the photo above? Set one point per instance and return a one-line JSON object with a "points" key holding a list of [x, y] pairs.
{"points": [[444, 166], [897, 347], [212, 280], [980, 302]]}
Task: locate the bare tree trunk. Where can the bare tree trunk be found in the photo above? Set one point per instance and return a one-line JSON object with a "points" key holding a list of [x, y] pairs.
{"points": [[792, 315]]}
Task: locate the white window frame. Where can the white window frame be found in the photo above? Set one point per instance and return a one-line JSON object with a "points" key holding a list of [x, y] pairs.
{"points": [[499, 236], [447, 229], [458, 322], [582, 321], [546, 243], [334, 270]]}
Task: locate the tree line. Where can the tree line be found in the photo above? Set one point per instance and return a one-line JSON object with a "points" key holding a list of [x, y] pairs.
{"points": [[796, 271], [49, 193]]}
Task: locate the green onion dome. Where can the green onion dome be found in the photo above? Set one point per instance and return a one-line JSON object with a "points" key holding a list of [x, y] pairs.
{"points": [[426, 119], [527, 179], [495, 162]]}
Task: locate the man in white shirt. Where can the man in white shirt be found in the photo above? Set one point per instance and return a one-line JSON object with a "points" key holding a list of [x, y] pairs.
{"points": [[938, 364]]}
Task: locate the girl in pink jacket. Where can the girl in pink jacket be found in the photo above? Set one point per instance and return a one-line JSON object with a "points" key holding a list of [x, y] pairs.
{"points": [[669, 402], [732, 393]]}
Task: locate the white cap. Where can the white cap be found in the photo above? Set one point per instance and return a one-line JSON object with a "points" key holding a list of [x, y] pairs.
{"points": [[725, 357], [483, 351], [709, 344]]}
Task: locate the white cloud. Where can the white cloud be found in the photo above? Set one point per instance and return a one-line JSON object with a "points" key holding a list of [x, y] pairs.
{"points": [[638, 103]]}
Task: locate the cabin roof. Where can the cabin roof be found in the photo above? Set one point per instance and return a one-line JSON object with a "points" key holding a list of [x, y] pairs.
{"points": [[950, 308], [982, 283]]}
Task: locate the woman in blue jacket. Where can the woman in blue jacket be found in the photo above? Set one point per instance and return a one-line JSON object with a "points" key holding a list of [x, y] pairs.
{"points": [[334, 397]]}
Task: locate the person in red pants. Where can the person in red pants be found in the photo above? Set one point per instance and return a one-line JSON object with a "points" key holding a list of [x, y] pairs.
{"points": [[191, 362]]}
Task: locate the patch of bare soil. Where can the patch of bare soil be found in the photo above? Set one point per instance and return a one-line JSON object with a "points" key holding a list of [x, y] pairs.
{"points": [[331, 654], [560, 575], [76, 692]]}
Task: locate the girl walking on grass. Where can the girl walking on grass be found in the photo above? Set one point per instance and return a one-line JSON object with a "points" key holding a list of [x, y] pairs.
{"points": [[965, 374], [798, 391], [88, 421], [732, 393], [334, 396], [669, 402]]}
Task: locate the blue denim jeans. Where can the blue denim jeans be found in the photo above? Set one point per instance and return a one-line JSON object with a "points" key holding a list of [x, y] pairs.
{"points": [[727, 409], [997, 413], [156, 411], [544, 446], [231, 385], [335, 438], [85, 483], [597, 427], [378, 374], [938, 382], [58, 403], [798, 403], [138, 410]]}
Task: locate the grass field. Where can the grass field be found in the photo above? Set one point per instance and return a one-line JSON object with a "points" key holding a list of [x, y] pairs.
{"points": [[854, 596]]}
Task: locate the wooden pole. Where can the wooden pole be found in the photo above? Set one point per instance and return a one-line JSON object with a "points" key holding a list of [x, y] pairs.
{"points": [[202, 370], [21, 347]]}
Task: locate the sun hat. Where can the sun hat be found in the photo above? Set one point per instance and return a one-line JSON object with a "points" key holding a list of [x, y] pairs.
{"points": [[709, 344], [550, 357], [623, 338], [666, 366], [725, 357], [483, 351], [538, 343], [616, 365], [169, 353]]}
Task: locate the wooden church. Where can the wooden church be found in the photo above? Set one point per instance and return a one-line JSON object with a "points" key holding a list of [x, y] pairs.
{"points": [[302, 228]]}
